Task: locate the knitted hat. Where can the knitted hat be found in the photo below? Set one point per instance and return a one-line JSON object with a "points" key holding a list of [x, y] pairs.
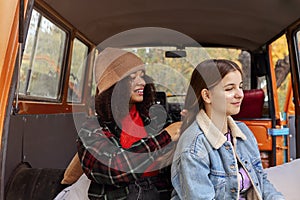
{"points": [[114, 64]]}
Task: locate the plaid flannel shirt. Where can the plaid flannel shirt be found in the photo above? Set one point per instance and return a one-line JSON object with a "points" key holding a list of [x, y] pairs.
{"points": [[108, 165]]}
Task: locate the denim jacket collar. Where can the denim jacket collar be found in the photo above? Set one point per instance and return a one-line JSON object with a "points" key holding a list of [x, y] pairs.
{"points": [[215, 137]]}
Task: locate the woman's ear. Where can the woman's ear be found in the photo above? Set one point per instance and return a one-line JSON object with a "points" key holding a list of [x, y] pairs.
{"points": [[205, 95]]}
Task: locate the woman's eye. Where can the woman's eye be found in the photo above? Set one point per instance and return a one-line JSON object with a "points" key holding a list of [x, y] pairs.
{"points": [[228, 89], [132, 77]]}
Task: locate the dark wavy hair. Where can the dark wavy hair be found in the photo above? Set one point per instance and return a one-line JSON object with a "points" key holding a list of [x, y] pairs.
{"points": [[117, 98], [206, 75]]}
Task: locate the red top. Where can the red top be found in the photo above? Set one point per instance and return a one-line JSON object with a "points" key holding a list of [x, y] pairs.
{"points": [[132, 128], [132, 131]]}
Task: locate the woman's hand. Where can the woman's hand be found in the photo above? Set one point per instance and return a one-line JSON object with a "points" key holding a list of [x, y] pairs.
{"points": [[174, 130], [184, 112]]}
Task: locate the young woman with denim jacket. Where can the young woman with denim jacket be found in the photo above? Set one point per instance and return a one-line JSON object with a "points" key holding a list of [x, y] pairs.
{"points": [[216, 157]]}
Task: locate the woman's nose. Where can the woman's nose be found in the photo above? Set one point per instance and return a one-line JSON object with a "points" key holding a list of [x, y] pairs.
{"points": [[239, 93]]}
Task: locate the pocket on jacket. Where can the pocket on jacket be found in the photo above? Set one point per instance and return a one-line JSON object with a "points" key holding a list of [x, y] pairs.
{"points": [[219, 183]]}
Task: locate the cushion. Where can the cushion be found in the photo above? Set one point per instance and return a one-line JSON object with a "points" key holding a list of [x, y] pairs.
{"points": [[76, 191], [285, 178], [252, 104], [73, 171], [34, 183]]}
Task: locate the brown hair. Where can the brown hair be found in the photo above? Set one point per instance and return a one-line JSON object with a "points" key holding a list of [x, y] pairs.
{"points": [[206, 75], [120, 90]]}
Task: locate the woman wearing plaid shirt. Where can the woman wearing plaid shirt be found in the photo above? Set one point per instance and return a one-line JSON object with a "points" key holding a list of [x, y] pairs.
{"points": [[121, 148]]}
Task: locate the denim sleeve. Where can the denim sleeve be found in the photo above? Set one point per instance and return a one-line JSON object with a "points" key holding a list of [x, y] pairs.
{"points": [[191, 179], [269, 191]]}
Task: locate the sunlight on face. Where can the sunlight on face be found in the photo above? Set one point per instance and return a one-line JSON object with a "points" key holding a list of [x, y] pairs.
{"points": [[137, 85], [227, 96]]}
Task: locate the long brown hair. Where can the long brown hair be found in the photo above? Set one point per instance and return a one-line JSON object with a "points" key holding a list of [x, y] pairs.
{"points": [[206, 75], [104, 106]]}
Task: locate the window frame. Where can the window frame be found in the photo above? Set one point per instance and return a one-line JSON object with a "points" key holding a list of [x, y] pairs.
{"points": [[58, 99], [41, 105], [84, 72]]}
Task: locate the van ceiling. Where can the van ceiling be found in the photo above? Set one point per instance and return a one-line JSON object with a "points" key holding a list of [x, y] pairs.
{"points": [[239, 23]]}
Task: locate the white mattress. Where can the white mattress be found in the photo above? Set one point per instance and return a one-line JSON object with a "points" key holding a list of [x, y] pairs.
{"points": [[286, 179], [77, 191]]}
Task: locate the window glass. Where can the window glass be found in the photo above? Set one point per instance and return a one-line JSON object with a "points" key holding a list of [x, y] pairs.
{"points": [[174, 73], [298, 45], [171, 69], [42, 60], [262, 84], [94, 86], [280, 59], [242, 58], [91, 99], [78, 68]]}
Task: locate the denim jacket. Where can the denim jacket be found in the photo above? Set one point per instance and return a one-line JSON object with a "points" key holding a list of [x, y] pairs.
{"points": [[205, 164]]}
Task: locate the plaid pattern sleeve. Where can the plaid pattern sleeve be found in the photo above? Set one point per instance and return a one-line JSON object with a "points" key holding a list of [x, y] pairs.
{"points": [[105, 162]]}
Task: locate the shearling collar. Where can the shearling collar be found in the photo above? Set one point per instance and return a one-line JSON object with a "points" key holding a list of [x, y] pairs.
{"points": [[215, 137]]}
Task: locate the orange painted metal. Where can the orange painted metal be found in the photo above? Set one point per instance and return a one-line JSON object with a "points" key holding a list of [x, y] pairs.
{"points": [[289, 106], [260, 130], [9, 36], [282, 149], [27, 106], [274, 86], [264, 140], [31, 107]]}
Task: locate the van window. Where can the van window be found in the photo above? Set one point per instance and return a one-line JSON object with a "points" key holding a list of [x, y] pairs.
{"points": [[174, 73], [298, 45], [78, 68], [41, 68], [93, 84], [280, 59]]}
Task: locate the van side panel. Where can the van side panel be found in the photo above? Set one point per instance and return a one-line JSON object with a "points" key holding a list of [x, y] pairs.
{"points": [[47, 141], [8, 52]]}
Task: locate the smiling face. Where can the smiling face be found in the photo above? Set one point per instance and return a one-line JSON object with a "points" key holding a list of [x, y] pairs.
{"points": [[226, 97], [233, 88], [137, 85]]}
